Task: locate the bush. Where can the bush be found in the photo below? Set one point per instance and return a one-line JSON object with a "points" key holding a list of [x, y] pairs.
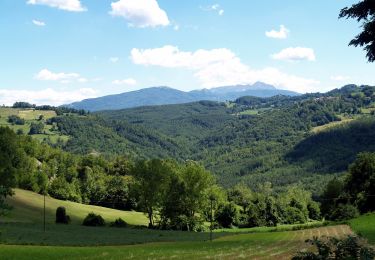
{"points": [[93, 220], [314, 210], [36, 128], [344, 212], [294, 216], [120, 223], [333, 248], [61, 217], [16, 120]]}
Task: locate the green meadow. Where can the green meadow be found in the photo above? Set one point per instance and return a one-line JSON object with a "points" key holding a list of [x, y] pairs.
{"points": [[23, 236]]}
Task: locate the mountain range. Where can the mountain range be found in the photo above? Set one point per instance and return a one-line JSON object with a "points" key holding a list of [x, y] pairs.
{"points": [[166, 95]]}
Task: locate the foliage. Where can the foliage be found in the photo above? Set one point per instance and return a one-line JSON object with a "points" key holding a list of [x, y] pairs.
{"points": [[333, 248], [16, 120], [120, 223], [363, 11], [61, 217], [226, 215], [93, 220], [36, 128], [10, 166], [361, 182], [344, 212]]}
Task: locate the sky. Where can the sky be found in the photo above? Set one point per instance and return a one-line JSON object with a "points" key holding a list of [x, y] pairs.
{"points": [[59, 51]]}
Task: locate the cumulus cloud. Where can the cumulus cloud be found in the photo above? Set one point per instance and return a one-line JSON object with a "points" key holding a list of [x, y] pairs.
{"points": [[39, 23], [67, 5], [114, 59], [218, 67], [339, 78], [295, 54], [46, 74], [47, 96], [129, 81], [140, 13], [62, 77], [281, 34], [214, 7]]}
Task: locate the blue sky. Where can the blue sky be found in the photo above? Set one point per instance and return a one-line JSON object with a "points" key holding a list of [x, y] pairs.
{"points": [[59, 51]]}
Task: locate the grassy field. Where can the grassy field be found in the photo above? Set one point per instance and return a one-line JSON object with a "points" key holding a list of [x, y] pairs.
{"points": [[365, 226], [22, 236], [28, 208], [325, 127], [31, 115], [268, 245]]}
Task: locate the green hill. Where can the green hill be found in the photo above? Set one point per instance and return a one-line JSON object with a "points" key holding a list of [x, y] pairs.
{"points": [[28, 207]]}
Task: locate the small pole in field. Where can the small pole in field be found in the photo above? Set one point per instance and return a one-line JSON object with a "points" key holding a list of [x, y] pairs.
{"points": [[211, 227], [44, 212]]}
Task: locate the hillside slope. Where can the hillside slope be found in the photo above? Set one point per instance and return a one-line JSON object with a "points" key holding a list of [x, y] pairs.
{"points": [[28, 207]]}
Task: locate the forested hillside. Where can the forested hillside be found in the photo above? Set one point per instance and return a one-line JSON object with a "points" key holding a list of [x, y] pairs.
{"points": [[280, 139]]}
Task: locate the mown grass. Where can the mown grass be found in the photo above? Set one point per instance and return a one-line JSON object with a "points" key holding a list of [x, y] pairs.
{"points": [[364, 226], [270, 245], [28, 207]]}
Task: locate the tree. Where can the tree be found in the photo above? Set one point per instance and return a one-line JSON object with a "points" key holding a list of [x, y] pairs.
{"points": [[36, 128], [330, 196], [226, 216], [10, 158], [152, 178], [361, 182], [363, 11]]}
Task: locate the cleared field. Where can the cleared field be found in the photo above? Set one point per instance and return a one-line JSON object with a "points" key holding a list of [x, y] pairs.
{"points": [[321, 128], [365, 226], [27, 114], [270, 245], [31, 115]]}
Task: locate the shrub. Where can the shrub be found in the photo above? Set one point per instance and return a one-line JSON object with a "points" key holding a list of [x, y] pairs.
{"points": [[93, 220], [61, 217], [16, 120], [314, 210], [344, 212], [294, 216], [36, 128], [119, 223], [333, 248]]}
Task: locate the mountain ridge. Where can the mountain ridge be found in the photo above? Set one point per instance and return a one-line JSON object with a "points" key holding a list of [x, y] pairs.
{"points": [[163, 95]]}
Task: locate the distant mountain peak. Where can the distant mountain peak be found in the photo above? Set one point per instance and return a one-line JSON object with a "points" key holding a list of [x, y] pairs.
{"points": [[164, 95]]}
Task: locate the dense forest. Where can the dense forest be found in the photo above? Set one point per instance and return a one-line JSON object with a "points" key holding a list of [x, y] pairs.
{"points": [[251, 140]]}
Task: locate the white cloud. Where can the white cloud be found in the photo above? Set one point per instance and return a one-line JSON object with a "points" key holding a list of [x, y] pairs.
{"points": [[295, 54], [214, 7], [219, 67], [281, 34], [140, 13], [114, 59], [39, 23], [339, 78], [47, 96], [67, 5], [129, 81], [45, 74]]}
